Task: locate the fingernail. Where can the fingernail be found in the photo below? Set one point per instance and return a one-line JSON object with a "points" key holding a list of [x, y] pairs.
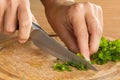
{"points": [[87, 58]]}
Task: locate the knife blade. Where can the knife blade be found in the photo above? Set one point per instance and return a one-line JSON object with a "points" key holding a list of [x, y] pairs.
{"points": [[41, 39]]}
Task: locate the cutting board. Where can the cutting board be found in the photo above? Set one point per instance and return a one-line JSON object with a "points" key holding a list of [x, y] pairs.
{"points": [[27, 62]]}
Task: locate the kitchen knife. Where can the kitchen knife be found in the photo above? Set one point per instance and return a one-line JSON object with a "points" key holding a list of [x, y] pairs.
{"points": [[41, 39]]}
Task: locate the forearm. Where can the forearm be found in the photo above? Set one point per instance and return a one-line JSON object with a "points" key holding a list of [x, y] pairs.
{"points": [[48, 3]]}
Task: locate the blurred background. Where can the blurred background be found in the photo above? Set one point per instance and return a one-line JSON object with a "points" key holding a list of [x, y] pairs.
{"points": [[111, 11]]}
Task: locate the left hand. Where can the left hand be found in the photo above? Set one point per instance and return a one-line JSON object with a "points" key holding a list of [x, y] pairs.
{"points": [[79, 25]]}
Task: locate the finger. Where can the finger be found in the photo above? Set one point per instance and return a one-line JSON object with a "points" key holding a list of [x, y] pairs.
{"points": [[94, 41], [80, 29], [94, 28], [10, 19], [2, 10], [25, 21]]}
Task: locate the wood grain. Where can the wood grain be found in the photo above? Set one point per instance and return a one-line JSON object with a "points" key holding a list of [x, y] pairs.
{"points": [[27, 62]]}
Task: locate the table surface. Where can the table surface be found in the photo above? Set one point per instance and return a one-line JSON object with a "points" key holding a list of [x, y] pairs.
{"points": [[111, 12]]}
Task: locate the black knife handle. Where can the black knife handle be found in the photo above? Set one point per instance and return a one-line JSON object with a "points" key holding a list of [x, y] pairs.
{"points": [[34, 26]]}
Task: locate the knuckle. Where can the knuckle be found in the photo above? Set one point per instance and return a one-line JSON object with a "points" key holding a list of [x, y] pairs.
{"points": [[26, 25], [77, 7], [83, 33], [11, 5], [97, 30], [10, 2], [100, 9], [88, 4]]}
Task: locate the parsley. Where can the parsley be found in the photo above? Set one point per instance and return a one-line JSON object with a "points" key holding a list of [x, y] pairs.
{"points": [[108, 51]]}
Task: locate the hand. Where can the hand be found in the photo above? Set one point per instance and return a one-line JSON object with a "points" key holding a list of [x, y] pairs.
{"points": [[79, 25], [13, 12]]}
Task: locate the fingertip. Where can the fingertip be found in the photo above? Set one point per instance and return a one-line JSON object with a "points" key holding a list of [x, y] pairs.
{"points": [[94, 43], [22, 40], [93, 50], [87, 58], [86, 54], [23, 36], [9, 30]]}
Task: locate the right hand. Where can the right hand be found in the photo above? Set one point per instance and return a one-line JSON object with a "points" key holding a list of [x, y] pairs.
{"points": [[13, 12]]}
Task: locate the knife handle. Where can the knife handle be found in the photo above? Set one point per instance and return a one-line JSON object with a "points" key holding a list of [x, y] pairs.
{"points": [[34, 26]]}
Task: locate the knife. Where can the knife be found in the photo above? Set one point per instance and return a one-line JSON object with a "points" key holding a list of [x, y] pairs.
{"points": [[43, 41]]}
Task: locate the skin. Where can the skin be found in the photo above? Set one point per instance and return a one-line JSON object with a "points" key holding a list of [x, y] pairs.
{"points": [[79, 25], [12, 12]]}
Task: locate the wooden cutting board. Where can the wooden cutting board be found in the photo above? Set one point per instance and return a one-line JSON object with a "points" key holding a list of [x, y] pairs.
{"points": [[27, 62]]}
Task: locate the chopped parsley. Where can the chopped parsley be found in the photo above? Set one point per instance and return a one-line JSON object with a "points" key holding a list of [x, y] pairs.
{"points": [[108, 51]]}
